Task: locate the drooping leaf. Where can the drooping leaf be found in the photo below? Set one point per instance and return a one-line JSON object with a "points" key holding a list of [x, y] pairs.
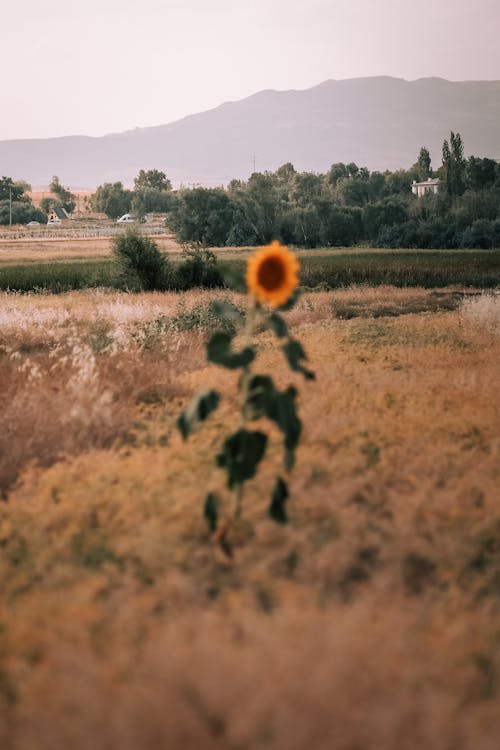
{"points": [[211, 510], [202, 405], [264, 399], [241, 454], [283, 411], [276, 323], [295, 354], [277, 509], [220, 353]]}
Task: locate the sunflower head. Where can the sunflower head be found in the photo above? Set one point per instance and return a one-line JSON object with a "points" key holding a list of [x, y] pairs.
{"points": [[272, 274]]}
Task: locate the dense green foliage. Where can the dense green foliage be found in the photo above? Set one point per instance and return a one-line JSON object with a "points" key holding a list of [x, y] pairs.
{"points": [[15, 204], [199, 268], [349, 205], [151, 193], [111, 199], [143, 266]]}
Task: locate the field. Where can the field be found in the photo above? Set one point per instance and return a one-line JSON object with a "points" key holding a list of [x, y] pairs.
{"points": [[78, 263], [369, 622]]}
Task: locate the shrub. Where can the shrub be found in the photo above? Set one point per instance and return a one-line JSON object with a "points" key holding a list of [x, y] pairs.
{"points": [[142, 264], [198, 269]]}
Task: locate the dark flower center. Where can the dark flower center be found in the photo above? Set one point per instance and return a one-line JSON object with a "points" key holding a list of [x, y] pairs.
{"points": [[271, 274]]}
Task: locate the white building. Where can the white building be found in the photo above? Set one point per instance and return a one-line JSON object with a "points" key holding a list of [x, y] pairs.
{"points": [[429, 186]]}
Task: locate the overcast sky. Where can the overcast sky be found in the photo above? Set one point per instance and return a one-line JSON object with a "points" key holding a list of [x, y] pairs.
{"points": [[100, 66]]}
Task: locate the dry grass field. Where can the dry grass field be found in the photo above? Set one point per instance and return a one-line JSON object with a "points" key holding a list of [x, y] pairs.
{"points": [[370, 622], [40, 250]]}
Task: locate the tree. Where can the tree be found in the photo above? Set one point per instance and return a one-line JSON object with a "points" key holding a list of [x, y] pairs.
{"points": [[422, 166], [481, 173], [16, 206], [340, 226], [337, 172], [111, 199], [10, 190], [21, 212], [454, 165], [152, 179], [261, 205], [63, 196], [385, 213], [398, 182], [307, 187], [147, 201], [152, 193], [202, 217]]}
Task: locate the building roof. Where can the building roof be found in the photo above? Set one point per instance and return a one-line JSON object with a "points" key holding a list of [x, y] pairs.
{"points": [[429, 181], [61, 212]]}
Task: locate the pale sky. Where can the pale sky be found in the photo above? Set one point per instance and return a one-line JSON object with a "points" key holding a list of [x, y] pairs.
{"points": [[98, 66]]}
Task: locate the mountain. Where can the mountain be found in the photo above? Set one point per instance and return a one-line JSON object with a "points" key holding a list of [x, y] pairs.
{"points": [[378, 122]]}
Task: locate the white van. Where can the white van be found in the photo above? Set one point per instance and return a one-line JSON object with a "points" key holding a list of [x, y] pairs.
{"points": [[125, 219]]}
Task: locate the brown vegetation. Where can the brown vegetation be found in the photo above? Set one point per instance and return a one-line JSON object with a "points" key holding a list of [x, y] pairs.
{"points": [[370, 622], [44, 250]]}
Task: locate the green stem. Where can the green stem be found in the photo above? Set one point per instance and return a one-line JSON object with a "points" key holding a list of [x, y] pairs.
{"points": [[246, 341]]}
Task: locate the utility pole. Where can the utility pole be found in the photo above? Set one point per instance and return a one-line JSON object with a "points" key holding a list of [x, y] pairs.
{"points": [[253, 163], [10, 206]]}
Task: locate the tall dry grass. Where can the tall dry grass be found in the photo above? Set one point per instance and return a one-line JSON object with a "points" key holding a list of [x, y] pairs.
{"points": [[74, 372], [370, 622], [483, 310]]}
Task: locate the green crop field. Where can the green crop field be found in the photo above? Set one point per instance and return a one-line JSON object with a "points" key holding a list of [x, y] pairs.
{"points": [[327, 269]]}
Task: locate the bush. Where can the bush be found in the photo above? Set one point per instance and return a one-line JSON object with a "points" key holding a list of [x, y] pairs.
{"points": [[198, 269], [481, 234], [142, 265]]}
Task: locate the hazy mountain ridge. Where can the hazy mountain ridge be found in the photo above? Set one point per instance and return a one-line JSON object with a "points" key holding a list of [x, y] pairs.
{"points": [[378, 122]]}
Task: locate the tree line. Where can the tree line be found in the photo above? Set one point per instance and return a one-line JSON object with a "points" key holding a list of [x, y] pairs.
{"points": [[348, 205], [151, 193], [345, 206]]}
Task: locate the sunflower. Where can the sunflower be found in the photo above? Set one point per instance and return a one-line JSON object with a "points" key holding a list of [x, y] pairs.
{"points": [[272, 274]]}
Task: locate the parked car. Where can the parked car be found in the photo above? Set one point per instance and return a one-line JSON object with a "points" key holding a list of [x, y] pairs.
{"points": [[33, 224], [125, 219]]}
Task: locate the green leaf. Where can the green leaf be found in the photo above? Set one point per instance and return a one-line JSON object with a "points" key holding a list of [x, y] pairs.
{"points": [[241, 454], [276, 323], [202, 405], [219, 352], [260, 393], [264, 399], [284, 413], [211, 510], [228, 311], [294, 352], [277, 509]]}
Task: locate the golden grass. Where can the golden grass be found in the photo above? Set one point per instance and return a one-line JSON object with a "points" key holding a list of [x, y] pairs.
{"points": [[41, 250], [370, 622]]}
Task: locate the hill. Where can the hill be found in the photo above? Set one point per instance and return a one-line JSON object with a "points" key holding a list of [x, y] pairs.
{"points": [[378, 122]]}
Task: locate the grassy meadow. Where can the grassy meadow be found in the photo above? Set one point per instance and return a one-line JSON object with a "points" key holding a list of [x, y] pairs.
{"points": [[369, 622], [62, 265]]}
